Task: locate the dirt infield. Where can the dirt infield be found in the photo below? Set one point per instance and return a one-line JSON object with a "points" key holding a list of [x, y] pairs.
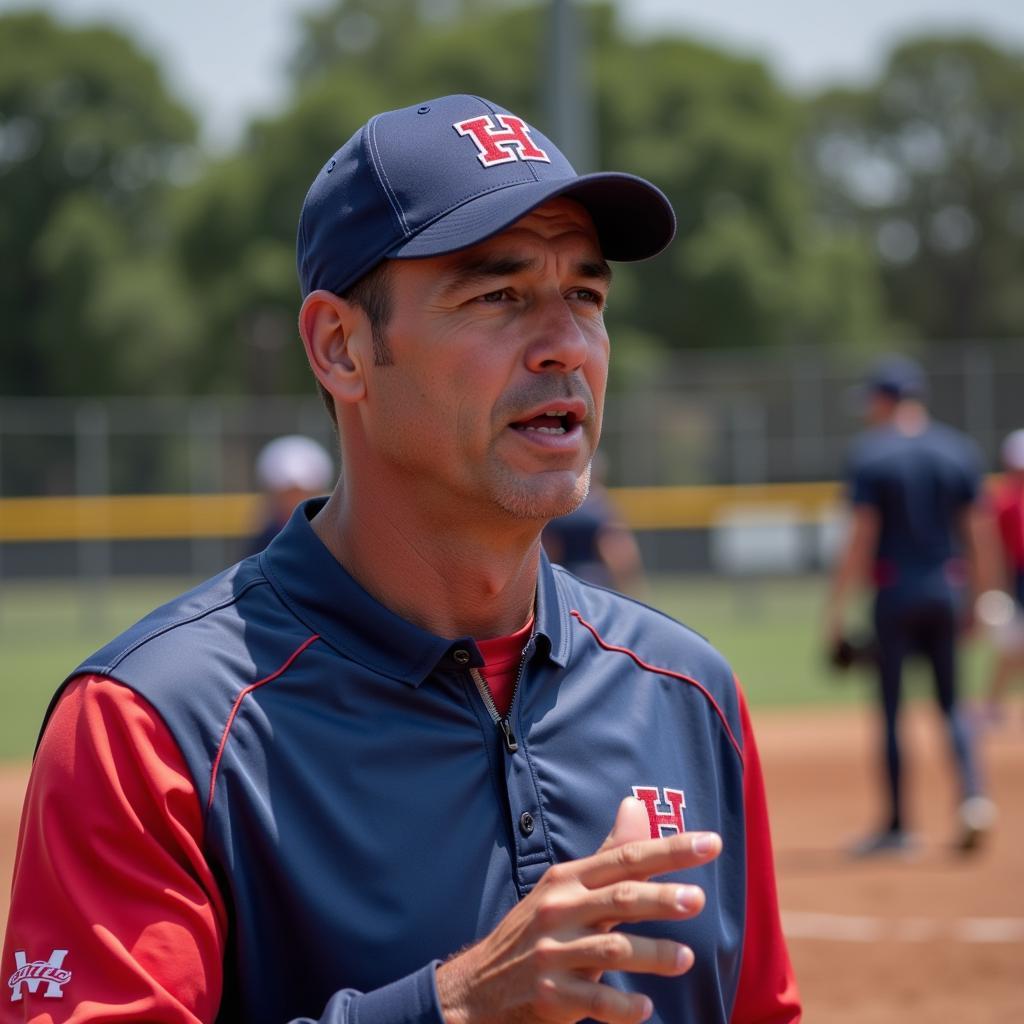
{"points": [[887, 941], [938, 937]]}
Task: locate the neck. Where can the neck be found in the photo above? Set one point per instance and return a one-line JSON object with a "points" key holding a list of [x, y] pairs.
{"points": [[910, 417], [449, 581]]}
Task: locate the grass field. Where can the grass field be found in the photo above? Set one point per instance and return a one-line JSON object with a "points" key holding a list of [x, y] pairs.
{"points": [[871, 942], [768, 628]]}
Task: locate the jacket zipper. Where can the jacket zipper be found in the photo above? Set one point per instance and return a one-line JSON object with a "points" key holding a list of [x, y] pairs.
{"points": [[501, 721]]}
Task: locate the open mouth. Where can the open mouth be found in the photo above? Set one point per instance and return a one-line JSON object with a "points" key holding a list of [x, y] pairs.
{"points": [[551, 421]]}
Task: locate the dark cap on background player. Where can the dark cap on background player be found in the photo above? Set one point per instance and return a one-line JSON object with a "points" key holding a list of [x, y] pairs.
{"points": [[447, 173], [896, 377]]}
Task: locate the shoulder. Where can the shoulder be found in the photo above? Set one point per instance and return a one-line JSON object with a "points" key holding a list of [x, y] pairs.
{"points": [[192, 656], [1006, 494], [102, 736], [194, 626], [956, 444], [614, 613], [606, 622], [957, 461], [868, 451]]}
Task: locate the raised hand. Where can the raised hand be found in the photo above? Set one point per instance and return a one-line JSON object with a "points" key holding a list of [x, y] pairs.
{"points": [[544, 961]]}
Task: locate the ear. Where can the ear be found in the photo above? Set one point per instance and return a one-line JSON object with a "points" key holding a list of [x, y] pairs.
{"points": [[331, 329]]}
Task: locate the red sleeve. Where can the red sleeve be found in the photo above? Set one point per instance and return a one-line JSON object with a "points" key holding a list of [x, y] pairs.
{"points": [[768, 991], [115, 914], [1008, 503]]}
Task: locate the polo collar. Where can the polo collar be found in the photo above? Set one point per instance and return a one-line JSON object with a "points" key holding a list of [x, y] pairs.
{"points": [[319, 591]]}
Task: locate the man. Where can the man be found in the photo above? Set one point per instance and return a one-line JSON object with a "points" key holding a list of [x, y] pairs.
{"points": [[366, 774], [290, 469], [918, 530], [1006, 608]]}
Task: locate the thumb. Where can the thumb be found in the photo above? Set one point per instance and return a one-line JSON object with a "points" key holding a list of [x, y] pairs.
{"points": [[631, 824]]}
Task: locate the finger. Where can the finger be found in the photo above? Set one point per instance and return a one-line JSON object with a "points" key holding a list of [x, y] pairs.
{"points": [[631, 824], [620, 951], [630, 901], [641, 859], [569, 997]]}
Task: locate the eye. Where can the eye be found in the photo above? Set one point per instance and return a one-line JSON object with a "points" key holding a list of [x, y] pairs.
{"points": [[587, 295], [499, 295]]}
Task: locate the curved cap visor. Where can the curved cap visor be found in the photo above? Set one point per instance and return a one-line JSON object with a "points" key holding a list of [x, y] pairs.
{"points": [[633, 218]]}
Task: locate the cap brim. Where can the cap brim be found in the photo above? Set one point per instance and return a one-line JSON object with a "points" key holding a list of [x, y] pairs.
{"points": [[633, 218]]}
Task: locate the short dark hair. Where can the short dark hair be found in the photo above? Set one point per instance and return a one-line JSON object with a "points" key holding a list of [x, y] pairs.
{"points": [[372, 294]]}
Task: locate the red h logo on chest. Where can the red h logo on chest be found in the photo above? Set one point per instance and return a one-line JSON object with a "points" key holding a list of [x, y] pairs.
{"points": [[673, 801], [501, 145]]}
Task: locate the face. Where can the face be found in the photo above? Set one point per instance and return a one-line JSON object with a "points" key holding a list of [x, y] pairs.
{"points": [[879, 408], [492, 400]]}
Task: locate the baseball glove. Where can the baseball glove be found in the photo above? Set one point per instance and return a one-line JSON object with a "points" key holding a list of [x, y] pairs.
{"points": [[848, 651]]}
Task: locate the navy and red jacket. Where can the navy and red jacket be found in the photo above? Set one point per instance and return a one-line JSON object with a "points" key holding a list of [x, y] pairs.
{"points": [[274, 800]]}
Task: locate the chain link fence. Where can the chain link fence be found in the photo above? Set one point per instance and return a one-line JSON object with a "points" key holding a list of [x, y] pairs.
{"points": [[736, 417]]}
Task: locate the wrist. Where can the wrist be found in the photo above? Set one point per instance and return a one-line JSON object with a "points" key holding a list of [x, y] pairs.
{"points": [[452, 982]]}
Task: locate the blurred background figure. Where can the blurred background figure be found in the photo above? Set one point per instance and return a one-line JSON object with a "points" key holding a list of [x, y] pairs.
{"points": [[1006, 614], [919, 531], [289, 469], [594, 543]]}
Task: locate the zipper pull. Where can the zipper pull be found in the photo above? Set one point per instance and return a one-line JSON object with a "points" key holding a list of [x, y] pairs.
{"points": [[510, 740]]}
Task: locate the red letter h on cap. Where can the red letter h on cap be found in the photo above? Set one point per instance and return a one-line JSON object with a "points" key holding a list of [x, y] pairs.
{"points": [[501, 147], [673, 818]]}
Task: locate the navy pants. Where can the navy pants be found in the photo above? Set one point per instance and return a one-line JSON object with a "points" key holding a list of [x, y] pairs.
{"points": [[929, 629]]}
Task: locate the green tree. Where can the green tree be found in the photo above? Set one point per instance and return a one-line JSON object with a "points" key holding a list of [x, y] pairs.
{"points": [[89, 142], [237, 224], [929, 163], [751, 264]]}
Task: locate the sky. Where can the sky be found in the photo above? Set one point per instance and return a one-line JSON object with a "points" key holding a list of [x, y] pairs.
{"points": [[225, 58]]}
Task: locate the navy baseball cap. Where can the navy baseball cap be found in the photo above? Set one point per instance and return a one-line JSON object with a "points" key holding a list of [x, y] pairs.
{"points": [[446, 174], [897, 377]]}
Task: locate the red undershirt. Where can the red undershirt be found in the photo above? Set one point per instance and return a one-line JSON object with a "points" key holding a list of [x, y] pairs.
{"points": [[501, 664]]}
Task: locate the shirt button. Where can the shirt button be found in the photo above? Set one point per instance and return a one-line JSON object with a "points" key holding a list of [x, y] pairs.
{"points": [[526, 823], [461, 656]]}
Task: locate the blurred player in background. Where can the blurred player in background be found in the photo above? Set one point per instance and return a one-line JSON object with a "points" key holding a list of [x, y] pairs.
{"points": [[290, 470], [1007, 615], [919, 532], [593, 542]]}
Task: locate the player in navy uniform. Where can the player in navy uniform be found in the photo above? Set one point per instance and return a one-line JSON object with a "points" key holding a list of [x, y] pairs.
{"points": [[919, 532], [594, 543], [397, 767]]}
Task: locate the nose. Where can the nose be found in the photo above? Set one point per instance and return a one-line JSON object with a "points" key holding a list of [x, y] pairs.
{"points": [[561, 344]]}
